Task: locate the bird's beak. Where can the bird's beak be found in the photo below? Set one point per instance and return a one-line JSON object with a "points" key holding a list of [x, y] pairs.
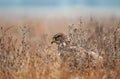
{"points": [[53, 41]]}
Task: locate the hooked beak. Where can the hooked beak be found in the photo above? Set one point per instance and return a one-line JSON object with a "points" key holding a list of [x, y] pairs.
{"points": [[52, 41]]}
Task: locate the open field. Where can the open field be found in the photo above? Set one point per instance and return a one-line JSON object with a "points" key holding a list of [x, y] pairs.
{"points": [[26, 51]]}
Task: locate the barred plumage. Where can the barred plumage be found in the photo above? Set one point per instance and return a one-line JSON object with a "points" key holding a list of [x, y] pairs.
{"points": [[79, 53]]}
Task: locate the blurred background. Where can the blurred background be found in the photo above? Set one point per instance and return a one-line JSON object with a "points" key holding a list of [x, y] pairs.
{"points": [[49, 15]]}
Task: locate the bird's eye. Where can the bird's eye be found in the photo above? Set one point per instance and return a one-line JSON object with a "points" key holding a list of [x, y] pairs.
{"points": [[55, 39]]}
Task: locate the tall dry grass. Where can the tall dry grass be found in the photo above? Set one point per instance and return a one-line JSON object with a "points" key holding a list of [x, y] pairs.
{"points": [[21, 58]]}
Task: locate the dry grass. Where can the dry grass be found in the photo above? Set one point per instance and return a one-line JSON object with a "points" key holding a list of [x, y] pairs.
{"points": [[21, 58]]}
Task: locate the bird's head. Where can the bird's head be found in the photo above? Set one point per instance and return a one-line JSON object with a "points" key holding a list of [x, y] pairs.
{"points": [[58, 38]]}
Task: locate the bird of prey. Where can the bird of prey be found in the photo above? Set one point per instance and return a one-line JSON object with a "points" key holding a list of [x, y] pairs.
{"points": [[64, 45]]}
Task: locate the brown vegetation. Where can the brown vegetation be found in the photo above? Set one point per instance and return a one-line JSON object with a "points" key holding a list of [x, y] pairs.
{"points": [[21, 58]]}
